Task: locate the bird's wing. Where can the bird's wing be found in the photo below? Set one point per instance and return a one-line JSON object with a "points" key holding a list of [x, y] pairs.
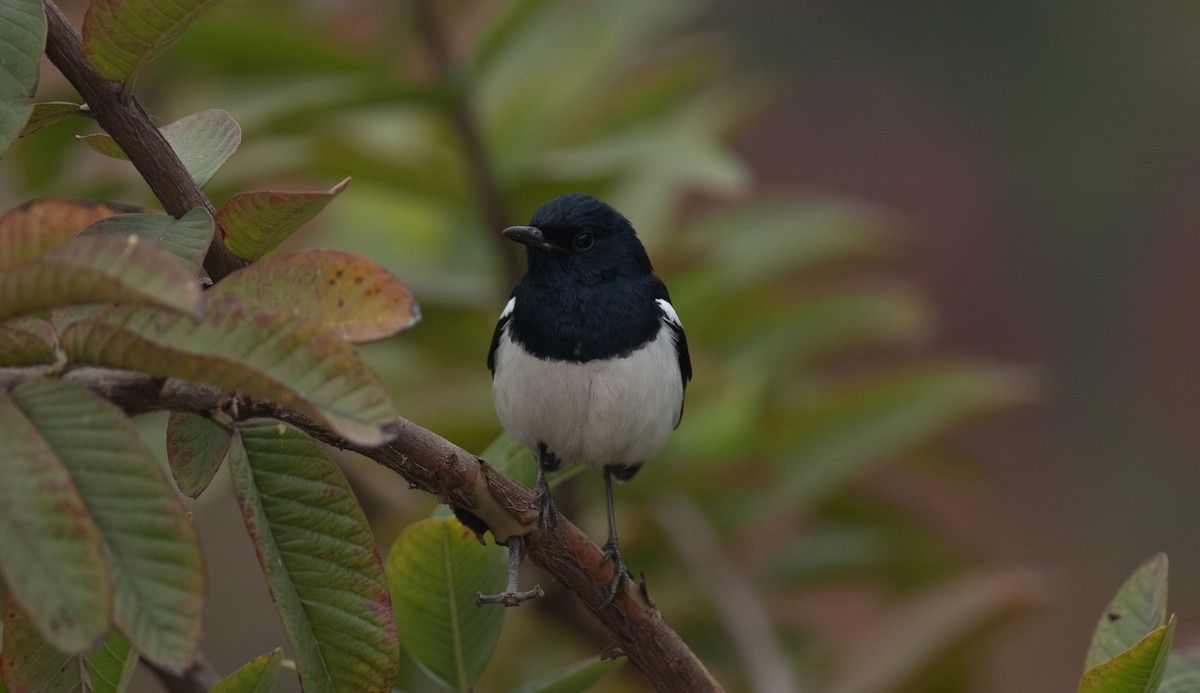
{"points": [[504, 317], [671, 318]]}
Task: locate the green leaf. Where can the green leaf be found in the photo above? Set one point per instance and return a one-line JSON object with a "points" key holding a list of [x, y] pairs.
{"points": [[257, 222], [99, 270], [256, 676], [111, 667], [1139, 607], [354, 296], [50, 554], [39, 226], [260, 353], [1136, 670], [575, 678], [1188, 682], [22, 41], [196, 446], [434, 568], [155, 563], [121, 36], [868, 423], [50, 112], [26, 342], [203, 142], [186, 238], [319, 557], [29, 663]]}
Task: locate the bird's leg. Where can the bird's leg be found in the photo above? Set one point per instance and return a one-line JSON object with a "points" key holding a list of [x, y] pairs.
{"points": [[612, 551], [510, 596], [546, 462]]}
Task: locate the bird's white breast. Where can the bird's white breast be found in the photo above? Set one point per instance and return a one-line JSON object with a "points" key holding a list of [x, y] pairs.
{"points": [[605, 411]]}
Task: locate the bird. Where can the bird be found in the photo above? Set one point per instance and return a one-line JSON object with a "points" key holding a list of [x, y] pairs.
{"points": [[589, 359]]}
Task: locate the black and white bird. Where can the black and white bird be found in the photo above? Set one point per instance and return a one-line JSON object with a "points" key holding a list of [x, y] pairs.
{"points": [[589, 361]]}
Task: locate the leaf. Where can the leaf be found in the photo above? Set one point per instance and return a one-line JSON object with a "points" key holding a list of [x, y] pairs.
{"points": [[26, 342], [39, 226], [434, 568], [99, 270], [50, 555], [319, 557], [257, 222], [196, 446], [256, 676], [865, 424], [121, 36], [354, 296], [154, 560], [22, 41], [111, 667], [29, 663], [260, 353], [203, 142], [1136, 670], [1139, 607], [50, 112], [187, 238], [575, 678]]}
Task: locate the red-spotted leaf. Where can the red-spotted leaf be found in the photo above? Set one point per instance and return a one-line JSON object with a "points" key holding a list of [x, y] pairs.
{"points": [[99, 270], [257, 222], [48, 113], [319, 556], [32, 664], [196, 446], [256, 676], [121, 36], [39, 226], [187, 237], [50, 553], [26, 342], [154, 560], [29, 663], [354, 296], [261, 353], [22, 40], [203, 142]]}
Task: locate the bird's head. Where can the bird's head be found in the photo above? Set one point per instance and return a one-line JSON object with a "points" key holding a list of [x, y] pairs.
{"points": [[581, 235]]}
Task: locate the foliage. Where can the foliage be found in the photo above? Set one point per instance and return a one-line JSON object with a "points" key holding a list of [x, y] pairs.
{"points": [[1131, 647], [805, 379]]}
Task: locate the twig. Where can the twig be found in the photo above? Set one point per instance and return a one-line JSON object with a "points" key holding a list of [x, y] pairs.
{"points": [[435, 465], [744, 615], [129, 124], [483, 175]]}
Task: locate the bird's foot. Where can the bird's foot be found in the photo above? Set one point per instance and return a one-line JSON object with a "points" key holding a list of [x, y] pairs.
{"points": [[549, 512], [612, 554], [511, 596]]}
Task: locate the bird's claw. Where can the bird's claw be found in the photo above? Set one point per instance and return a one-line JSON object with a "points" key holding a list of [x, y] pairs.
{"points": [[620, 573]]}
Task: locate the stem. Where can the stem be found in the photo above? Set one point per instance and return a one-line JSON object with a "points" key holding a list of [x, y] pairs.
{"points": [[131, 127], [488, 189]]}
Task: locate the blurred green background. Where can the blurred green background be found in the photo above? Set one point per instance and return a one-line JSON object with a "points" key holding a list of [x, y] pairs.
{"points": [[934, 260]]}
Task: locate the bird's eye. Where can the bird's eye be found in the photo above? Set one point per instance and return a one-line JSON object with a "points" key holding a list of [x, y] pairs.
{"points": [[583, 240]]}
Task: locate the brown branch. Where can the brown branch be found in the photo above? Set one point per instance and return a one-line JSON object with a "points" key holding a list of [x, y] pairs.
{"points": [[129, 124], [457, 477], [487, 185]]}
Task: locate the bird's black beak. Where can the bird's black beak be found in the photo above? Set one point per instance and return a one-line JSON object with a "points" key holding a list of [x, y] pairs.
{"points": [[527, 235]]}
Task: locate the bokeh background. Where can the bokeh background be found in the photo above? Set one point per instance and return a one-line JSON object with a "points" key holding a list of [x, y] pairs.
{"points": [[1011, 186]]}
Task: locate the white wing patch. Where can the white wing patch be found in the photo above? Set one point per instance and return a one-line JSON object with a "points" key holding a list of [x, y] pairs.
{"points": [[508, 308], [667, 309]]}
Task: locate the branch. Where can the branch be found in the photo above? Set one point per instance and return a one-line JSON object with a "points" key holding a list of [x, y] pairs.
{"points": [[131, 127], [463, 481], [479, 164]]}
